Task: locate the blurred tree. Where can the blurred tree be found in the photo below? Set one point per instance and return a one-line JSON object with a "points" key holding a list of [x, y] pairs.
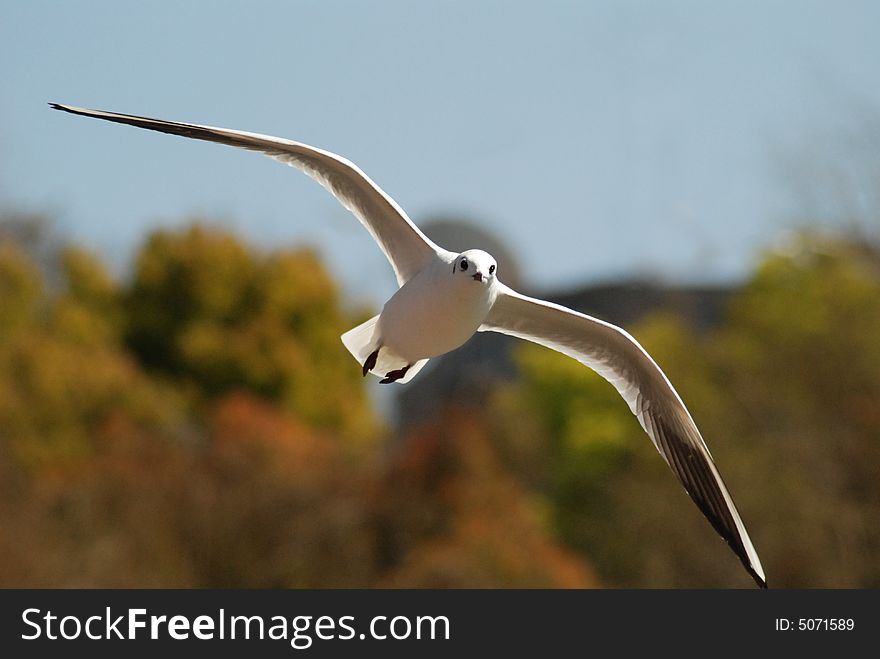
{"points": [[62, 372], [276, 505], [449, 515], [205, 308], [787, 394], [111, 476], [802, 360], [21, 289], [90, 306], [109, 480]]}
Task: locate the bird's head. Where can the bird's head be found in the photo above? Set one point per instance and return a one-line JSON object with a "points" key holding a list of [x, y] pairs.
{"points": [[475, 264]]}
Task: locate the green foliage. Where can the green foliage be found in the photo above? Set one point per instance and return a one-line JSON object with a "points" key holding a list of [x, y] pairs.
{"points": [[90, 308], [206, 309], [808, 383], [61, 372], [588, 440], [21, 289], [202, 425], [787, 394]]}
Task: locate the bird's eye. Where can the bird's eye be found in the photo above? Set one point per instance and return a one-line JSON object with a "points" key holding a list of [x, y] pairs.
{"points": [[491, 269], [464, 264]]}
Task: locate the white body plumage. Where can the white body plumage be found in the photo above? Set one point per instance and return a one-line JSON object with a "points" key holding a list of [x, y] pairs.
{"points": [[445, 297]]}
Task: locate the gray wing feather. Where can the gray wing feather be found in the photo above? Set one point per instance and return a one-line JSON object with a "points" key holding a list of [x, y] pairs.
{"points": [[405, 246], [618, 357]]}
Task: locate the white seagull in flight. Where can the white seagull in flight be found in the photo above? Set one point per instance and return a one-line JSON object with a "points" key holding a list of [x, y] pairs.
{"points": [[445, 297]]}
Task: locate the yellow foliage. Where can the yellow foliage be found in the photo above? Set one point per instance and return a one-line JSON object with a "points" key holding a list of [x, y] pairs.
{"points": [[21, 288]]}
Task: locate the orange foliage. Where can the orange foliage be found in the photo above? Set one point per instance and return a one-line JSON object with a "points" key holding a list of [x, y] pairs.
{"points": [[452, 516]]}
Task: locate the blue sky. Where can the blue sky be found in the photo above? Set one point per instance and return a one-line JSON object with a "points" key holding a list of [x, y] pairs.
{"points": [[600, 139]]}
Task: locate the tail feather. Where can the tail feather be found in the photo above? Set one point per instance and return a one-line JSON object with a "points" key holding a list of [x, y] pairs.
{"points": [[362, 340]]}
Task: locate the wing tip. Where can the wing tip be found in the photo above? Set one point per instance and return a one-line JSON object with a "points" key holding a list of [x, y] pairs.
{"points": [[742, 547], [748, 559], [758, 577], [754, 568], [63, 108], [703, 483]]}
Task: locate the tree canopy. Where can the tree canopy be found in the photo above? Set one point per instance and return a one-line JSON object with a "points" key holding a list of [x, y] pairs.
{"points": [[198, 423]]}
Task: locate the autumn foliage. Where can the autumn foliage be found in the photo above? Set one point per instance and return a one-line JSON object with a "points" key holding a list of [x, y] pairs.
{"points": [[198, 423], [202, 425]]}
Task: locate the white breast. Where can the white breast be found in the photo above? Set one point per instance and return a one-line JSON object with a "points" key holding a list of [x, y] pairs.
{"points": [[433, 313]]}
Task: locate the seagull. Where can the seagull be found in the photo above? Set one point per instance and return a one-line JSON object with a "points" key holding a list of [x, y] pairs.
{"points": [[445, 297]]}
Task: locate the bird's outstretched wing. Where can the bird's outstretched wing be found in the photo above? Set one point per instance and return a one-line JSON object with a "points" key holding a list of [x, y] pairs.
{"points": [[618, 358], [406, 247]]}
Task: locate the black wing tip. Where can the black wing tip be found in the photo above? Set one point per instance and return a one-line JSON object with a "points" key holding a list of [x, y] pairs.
{"points": [[734, 543], [705, 489], [761, 581], [62, 107]]}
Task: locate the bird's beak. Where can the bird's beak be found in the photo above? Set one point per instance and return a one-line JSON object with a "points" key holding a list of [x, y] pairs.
{"points": [[478, 276]]}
